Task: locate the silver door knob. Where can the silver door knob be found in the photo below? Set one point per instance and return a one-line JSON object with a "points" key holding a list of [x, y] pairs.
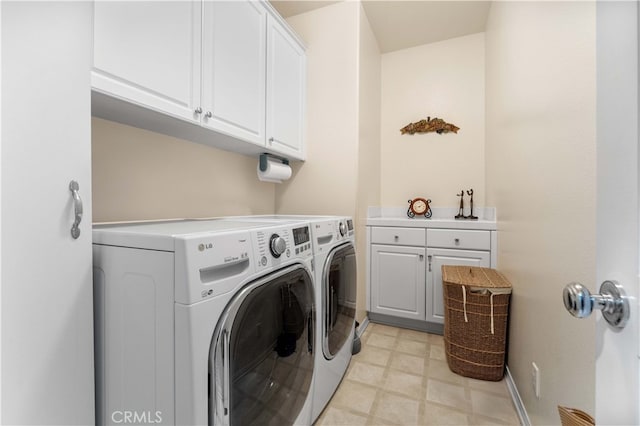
{"points": [[612, 300], [208, 114], [198, 110]]}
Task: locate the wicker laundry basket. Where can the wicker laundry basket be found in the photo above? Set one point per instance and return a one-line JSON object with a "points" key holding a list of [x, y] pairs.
{"points": [[475, 321], [574, 417]]}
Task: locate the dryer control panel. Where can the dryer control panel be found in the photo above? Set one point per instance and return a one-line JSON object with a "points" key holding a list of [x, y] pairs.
{"points": [[276, 245], [326, 233], [208, 265]]}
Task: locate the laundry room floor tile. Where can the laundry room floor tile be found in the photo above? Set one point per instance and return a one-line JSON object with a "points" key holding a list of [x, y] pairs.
{"points": [[401, 377], [374, 355], [408, 363]]}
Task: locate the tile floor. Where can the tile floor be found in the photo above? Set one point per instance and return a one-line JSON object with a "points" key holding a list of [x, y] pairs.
{"points": [[401, 377]]}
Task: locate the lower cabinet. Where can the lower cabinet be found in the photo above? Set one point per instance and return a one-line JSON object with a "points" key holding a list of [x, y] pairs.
{"points": [[405, 271], [397, 281], [435, 259]]}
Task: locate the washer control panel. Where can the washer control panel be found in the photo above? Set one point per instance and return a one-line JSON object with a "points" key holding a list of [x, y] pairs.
{"points": [[326, 233], [342, 228], [278, 244]]}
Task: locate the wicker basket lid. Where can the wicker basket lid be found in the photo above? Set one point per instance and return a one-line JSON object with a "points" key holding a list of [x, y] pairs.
{"points": [[476, 278]]}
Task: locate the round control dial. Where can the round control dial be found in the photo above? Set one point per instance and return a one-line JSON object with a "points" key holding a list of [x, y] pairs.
{"points": [[343, 229], [277, 245]]}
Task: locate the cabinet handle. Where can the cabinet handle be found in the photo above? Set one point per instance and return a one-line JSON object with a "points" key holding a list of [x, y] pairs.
{"points": [[271, 140], [208, 114], [429, 260], [198, 110], [77, 207], [395, 238], [421, 257], [457, 241]]}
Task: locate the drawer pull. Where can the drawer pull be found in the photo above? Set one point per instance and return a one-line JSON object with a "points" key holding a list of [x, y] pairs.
{"points": [[457, 241], [395, 238]]}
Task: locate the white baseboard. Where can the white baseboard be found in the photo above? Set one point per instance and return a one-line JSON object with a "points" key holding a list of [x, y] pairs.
{"points": [[517, 401], [363, 326]]}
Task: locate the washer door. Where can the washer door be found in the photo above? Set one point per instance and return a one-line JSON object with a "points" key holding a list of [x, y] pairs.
{"points": [[339, 298], [261, 356]]}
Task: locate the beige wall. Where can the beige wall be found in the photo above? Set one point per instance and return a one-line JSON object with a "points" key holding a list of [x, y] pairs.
{"points": [[368, 191], [541, 160], [444, 80], [139, 174], [326, 182], [341, 174]]}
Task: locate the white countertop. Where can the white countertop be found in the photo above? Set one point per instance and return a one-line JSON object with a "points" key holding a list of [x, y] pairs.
{"points": [[443, 218]]}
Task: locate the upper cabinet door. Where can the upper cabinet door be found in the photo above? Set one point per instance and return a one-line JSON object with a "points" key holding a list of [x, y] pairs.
{"points": [[148, 53], [234, 69], [286, 82]]}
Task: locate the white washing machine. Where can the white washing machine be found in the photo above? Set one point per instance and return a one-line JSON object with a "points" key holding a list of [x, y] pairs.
{"points": [[336, 285], [335, 293], [204, 322]]}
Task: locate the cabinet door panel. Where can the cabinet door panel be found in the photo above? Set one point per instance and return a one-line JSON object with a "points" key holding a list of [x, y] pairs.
{"points": [[286, 68], [439, 257], [234, 69], [398, 281], [148, 53], [47, 363]]}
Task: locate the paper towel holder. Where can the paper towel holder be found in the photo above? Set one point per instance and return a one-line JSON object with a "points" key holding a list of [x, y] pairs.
{"points": [[265, 156]]}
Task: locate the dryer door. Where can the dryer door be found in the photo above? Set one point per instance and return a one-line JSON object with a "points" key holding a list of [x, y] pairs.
{"points": [[261, 357], [339, 298]]}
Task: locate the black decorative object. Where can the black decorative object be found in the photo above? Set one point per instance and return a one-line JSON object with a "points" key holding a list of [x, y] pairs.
{"points": [[471, 216], [460, 215], [420, 207]]}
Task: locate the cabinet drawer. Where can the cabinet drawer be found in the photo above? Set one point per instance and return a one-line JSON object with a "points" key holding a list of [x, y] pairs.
{"points": [[398, 236], [459, 239]]}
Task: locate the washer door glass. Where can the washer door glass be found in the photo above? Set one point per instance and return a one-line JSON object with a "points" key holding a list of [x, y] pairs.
{"points": [[339, 279], [262, 355]]}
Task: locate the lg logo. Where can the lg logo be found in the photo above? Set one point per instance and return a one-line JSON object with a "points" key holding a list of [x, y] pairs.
{"points": [[203, 247], [135, 417]]}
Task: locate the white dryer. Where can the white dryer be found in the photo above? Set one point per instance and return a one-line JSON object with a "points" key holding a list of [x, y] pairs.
{"points": [[335, 293], [204, 322], [336, 285]]}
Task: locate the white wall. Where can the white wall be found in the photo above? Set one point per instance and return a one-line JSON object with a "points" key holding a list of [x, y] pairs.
{"points": [[0, 215], [138, 174], [368, 190], [616, 385], [444, 80], [541, 176], [340, 176], [326, 182]]}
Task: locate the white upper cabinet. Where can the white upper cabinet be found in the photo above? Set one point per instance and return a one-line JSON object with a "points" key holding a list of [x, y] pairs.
{"points": [[233, 84], [148, 53], [231, 67], [286, 72]]}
